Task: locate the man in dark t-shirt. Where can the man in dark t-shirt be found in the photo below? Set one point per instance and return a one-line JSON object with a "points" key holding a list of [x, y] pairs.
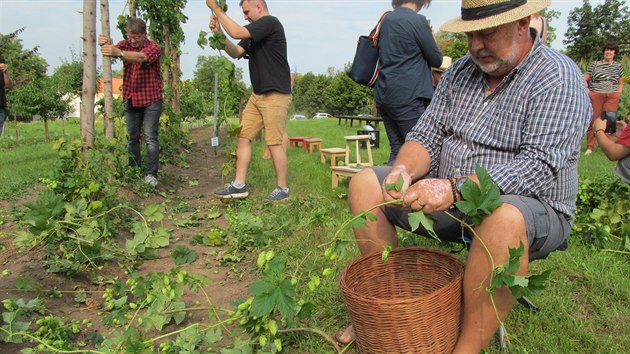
{"points": [[263, 42]]}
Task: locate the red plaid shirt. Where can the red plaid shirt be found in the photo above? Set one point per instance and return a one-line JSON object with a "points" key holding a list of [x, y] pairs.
{"points": [[142, 82]]}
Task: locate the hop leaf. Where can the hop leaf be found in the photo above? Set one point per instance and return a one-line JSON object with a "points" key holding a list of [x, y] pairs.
{"points": [[479, 200]]}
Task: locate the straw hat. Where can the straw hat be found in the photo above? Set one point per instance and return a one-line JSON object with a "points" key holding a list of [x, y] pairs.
{"points": [[482, 14], [446, 62]]}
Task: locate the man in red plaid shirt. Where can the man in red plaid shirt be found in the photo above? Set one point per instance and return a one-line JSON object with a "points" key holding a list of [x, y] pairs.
{"points": [[142, 92]]}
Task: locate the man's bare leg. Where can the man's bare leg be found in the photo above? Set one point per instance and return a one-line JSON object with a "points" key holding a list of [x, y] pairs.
{"points": [[243, 157], [279, 157], [500, 231], [285, 145]]}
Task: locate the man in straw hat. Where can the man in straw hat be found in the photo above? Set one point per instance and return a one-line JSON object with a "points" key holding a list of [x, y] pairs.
{"points": [[517, 108]]}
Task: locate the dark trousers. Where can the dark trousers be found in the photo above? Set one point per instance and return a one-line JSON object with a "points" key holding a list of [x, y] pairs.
{"points": [[146, 120], [3, 114], [398, 121]]}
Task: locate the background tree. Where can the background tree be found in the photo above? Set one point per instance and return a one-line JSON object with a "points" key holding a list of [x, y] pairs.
{"points": [[307, 93], [68, 77], [231, 89], [550, 15], [194, 103], [39, 97], [590, 28], [23, 63], [346, 97], [454, 45]]}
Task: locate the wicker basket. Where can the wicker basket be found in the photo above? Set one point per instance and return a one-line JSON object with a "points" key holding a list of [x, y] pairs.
{"points": [[410, 304]]}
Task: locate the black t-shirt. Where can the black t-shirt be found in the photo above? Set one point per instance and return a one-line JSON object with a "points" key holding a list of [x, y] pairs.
{"points": [[267, 53]]}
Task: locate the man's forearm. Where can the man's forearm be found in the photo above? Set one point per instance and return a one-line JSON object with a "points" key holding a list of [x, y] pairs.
{"points": [[230, 27], [414, 158], [233, 50], [612, 150], [133, 57], [8, 83]]}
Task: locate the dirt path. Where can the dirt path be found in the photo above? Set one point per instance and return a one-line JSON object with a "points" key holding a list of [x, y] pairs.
{"points": [[187, 195]]}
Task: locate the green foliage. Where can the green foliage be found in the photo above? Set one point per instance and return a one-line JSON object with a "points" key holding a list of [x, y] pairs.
{"points": [[23, 63], [231, 90], [183, 255], [274, 294], [505, 275], [15, 317], [153, 301], [479, 199], [246, 230], [273, 291], [68, 77], [56, 332], [454, 45], [550, 16], [624, 102], [40, 96], [217, 39], [335, 93], [598, 217], [592, 27]]}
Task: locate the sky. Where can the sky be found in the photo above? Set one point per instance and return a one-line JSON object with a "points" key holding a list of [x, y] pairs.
{"points": [[320, 33]]}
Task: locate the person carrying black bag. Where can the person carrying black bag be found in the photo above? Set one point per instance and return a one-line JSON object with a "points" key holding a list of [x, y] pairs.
{"points": [[407, 51]]}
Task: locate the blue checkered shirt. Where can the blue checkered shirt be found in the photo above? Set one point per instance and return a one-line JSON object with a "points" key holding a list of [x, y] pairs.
{"points": [[526, 133]]}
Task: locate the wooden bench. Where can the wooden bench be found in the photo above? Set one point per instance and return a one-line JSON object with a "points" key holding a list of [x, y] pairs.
{"points": [[312, 143], [333, 153], [296, 140], [342, 171]]}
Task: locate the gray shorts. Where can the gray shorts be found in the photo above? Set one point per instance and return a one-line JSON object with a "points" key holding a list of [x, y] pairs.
{"points": [[547, 229]]}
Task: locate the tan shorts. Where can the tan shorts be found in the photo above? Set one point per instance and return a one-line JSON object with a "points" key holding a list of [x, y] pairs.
{"points": [[269, 111]]}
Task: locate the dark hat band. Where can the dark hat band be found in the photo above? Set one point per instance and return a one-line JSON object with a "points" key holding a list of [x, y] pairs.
{"points": [[478, 13]]}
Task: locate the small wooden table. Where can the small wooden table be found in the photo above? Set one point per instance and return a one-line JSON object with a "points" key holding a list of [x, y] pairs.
{"points": [[342, 171], [312, 143], [333, 153], [357, 139], [294, 141]]}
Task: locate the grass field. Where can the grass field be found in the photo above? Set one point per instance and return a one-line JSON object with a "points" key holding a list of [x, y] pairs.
{"points": [[584, 309]]}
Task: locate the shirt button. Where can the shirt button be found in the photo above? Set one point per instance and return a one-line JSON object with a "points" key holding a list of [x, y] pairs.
{"points": [[485, 104], [465, 147]]}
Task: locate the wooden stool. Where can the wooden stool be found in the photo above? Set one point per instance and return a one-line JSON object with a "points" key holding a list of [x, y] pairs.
{"points": [[333, 153], [297, 140], [313, 142], [357, 139], [342, 171]]}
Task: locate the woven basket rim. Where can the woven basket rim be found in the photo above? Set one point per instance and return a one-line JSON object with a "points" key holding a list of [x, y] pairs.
{"points": [[410, 300]]}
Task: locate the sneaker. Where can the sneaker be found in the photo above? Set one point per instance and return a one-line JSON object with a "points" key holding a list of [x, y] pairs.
{"points": [[231, 192], [152, 180], [278, 195], [588, 152]]}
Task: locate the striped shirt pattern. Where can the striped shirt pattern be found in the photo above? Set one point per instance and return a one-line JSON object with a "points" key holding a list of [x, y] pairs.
{"points": [[526, 133], [604, 77], [142, 82]]}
